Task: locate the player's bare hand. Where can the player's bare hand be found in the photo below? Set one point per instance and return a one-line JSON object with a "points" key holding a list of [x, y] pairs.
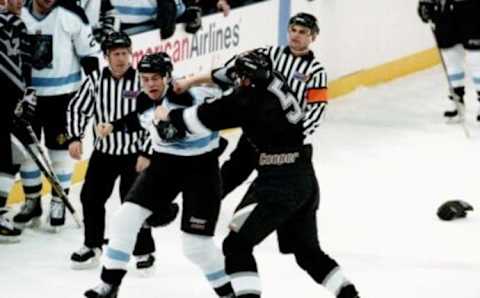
{"points": [[142, 163], [181, 85], [75, 149], [104, 129], [161, 114]]}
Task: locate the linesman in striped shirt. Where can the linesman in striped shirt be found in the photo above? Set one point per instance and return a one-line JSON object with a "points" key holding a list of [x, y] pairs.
{"points": [[15, 75], [305, 75], [122, 154]]}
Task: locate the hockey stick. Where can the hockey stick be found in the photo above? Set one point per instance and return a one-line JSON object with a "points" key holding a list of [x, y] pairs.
{"points": [[48, 172], [456, 99]]}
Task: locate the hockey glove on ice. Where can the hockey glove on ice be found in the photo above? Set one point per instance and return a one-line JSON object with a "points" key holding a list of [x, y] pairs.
{"points": [[453, 209], [428, 10]]}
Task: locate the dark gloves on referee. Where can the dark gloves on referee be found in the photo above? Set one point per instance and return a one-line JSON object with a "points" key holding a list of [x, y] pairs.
{"points": [[428, 10]]}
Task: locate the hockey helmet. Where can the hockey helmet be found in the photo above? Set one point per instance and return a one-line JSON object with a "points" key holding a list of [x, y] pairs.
{"points": [[157, 63], [116, 40], [306, 20], [254, 65], [453, 209]]}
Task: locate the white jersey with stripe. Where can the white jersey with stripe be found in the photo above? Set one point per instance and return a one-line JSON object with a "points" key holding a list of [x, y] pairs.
{"points": [[71, 39], [135, 11], [192, 144]]}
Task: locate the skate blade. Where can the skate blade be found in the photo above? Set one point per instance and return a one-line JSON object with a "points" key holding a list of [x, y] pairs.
{"points": [[146, 272], [91, 264], [34, 223], [455, 120], [53, 229], [9, 239]]}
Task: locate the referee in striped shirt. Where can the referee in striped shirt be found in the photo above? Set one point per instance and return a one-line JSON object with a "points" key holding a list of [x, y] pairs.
{"points": [[122, 154], [305, 76]]}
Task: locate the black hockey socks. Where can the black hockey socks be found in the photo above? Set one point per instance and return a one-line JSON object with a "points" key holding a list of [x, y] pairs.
{"points": [[459, 92], [478, 115], [113, 276], [325, 271]]}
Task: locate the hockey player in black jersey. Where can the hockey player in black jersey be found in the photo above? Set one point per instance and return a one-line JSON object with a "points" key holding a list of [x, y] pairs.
{"points": [[15, 75], [285, 195], [181, 163], [456, 27], [305, 75]]}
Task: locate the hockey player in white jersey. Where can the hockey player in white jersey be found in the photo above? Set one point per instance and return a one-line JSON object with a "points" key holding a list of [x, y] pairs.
{"points": [[456, 27], [186, 164], [63, 44]]}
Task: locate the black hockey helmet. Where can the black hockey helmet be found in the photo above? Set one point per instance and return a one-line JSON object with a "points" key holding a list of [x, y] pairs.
{"points": [[453, 209], [254, 65], [306, 20], [116, 40], [158, 63]]}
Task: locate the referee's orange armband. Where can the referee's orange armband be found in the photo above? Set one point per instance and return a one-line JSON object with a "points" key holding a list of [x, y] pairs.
{"points": [[317, 95]]}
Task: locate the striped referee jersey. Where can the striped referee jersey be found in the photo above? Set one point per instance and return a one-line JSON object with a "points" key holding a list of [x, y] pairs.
{"points": [[307, 78], [108, 99]]}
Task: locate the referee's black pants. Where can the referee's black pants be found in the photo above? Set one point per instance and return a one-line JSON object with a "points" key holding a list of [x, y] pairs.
{"points": [[103, 170]]}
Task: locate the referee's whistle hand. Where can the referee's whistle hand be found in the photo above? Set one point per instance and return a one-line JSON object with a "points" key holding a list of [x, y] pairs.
{"points": [[104, 129], [75, 150]]}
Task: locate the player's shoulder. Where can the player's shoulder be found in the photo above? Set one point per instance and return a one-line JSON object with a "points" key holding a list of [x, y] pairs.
{"points": [[73, 11]]}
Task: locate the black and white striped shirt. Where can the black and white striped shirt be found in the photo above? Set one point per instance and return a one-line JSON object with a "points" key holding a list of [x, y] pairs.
{"points": [[14, 50], [108, 99], [308, 80], [305, 76]]}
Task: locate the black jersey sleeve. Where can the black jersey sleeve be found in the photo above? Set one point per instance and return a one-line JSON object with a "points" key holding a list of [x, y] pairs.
{"points": [[231, 110]]}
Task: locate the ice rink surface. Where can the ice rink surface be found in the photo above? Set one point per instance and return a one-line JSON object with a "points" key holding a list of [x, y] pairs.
{"points": [[385, 159]]}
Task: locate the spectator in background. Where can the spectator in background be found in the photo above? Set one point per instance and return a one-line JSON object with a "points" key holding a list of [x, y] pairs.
{"points": [[212, 6], [144, 15], [102, 16]]}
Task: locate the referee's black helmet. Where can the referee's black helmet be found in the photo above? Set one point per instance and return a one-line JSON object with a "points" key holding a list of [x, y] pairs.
{"points": [[306, 20], [116, 40]]}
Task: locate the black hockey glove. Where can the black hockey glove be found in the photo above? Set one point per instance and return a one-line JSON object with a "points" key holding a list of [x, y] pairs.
{"points": [[168, 132], [25, 109], [166, 18], [193, 19], [164, 218], [453, 209], [428, 10]]}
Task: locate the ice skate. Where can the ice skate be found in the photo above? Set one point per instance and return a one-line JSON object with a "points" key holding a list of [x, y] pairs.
{"points": [[86, 258], [29, 214], [103, 290], [56, 217], [8, 233], [146, 265]]}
